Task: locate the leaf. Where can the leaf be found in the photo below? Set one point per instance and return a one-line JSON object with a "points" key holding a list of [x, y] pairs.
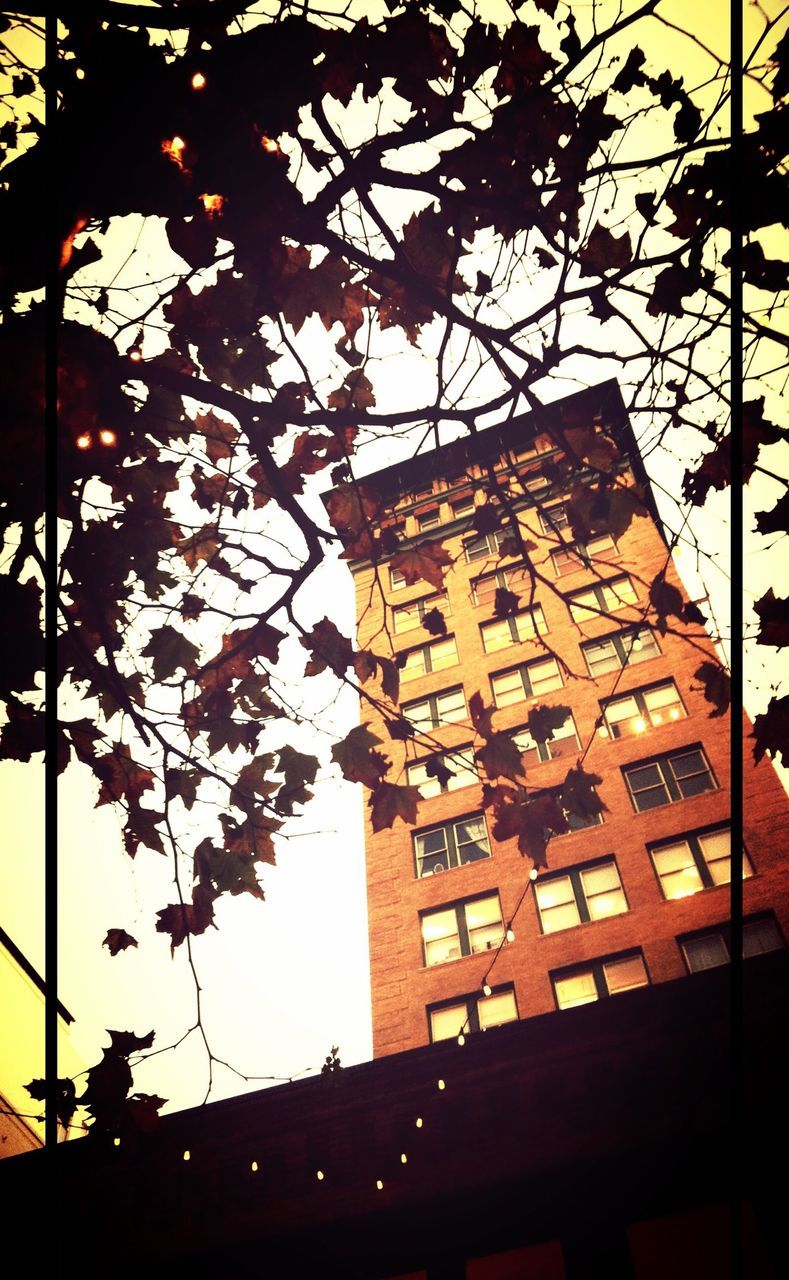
{"points": [[118, 940], [23, 733], [666, 599], [357, 759], [578, 795], [400, 729], [184, 920], [121, 778], [771, 731], [604, 251], [500, 757], [486, 518], [351, 508], [437, 767], [427, 563], [389, 802], [717, 686], [221, 871], [434, 622], [531, 821], [183, 783], [776, 520], [631, 73], [169, 650], [356, 392], [201, 546], [505, 602], [542, 722], [66, 1100], [481, 716], [299, 769], [773, 615], [220, 435], [329, 648]]}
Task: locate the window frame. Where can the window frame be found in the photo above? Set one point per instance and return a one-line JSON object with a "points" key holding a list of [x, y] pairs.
{"points": [[580, 553], [671, 785], [436, 600], [433, 515], [459, 906], [493, 539], [505, 579], [472, 1001], [722, 931], [596, 969], [543, 749], [467, 502], [623, 653], [425, 648], [575, 875], [548, 521], [444, 789], [432, 700], [693, 839], [451, 844], [535, 614], [639, 696], [526, 684], [598, 589]]}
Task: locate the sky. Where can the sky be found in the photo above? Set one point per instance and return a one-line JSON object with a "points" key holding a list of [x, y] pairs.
{"points": [[287, 979]]}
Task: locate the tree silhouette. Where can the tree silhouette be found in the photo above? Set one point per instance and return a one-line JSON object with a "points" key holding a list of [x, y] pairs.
{"points": [[506, 203]]}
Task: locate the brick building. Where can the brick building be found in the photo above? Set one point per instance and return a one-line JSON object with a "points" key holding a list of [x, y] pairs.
{"points": [[460, 938]]}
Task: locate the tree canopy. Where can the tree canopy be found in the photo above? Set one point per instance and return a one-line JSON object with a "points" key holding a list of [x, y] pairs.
{"points": [[308, 236]]}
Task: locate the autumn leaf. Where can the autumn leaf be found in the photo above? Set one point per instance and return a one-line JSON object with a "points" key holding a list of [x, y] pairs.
{"points": [[578, 794], [666, 599], [436, 767], [500, 757], [329, 648], [65, 1097], [427, 562], [23, 733], [351, 508], [604, 251], [773, 615], [543, 722], [481, 716], [771, 731], [118, 940], [486, 518], [717, 686], [188, 919], [356, 392], [776, 520], [400, 729], [299, 769], [221, 871], [435, 623], [389, 802], [169, 650], [121, 778], [505, 602], [357, 759], [219, 434], [200, 546]]}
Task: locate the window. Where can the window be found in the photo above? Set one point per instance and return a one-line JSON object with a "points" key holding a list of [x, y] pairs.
{"points": [[514, 629], [534, 481], [452, 845], [623, 649], [575, 821], [641, 708], [554, 518], [515, 578], [708, 949], [696, 861], [487, 545], [430, 657], [462, 507], [396, 579], [428, 519], [599, 979], [462, 929], [574, 555], [459, 763], [564, 742], [426, 491], [472, 1013], [526, 681], [447, 707], [602, 597], [578, 896], [669, 778], [407, 617]]}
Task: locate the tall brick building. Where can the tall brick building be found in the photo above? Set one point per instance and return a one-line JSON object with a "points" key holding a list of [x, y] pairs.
{"points": [[461, 939]]}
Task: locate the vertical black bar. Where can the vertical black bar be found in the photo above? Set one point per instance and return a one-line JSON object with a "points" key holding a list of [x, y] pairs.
{"points": [[736, 178], [52, 311]]}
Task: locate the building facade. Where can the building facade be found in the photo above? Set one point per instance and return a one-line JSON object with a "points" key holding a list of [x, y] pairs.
{"points": [[461, 937]]}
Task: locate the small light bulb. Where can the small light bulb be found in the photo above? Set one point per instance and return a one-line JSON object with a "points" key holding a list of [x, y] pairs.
{"points": [[603, 731], [319, 1175], [404, 1158], [83, 441], [419, 1122], [636, 644], [198, 80], [510, 935], [379, 1185], [107, 437], [80, 74], [533, 873], [187, 1155], [254, 1166], [485, 989], [135, 354], [461, 1040], [116, 1142], [441, 1084]]}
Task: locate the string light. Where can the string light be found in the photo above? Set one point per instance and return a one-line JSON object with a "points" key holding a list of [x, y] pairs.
{"points": [[461, 1040], [83, 441], [533, 873], [510, 935], [187, 1155], [485, 989], [135, 354], [320, 1175], [419, 1122], [107, 437], [198, 80], [404, 1158], [116, 1142], [441, 1084], [254, 1166], [379, 1185]]}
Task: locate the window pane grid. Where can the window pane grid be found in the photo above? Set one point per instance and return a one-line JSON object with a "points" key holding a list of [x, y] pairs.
{"points": [[641, 708], [473, 1013], [669, 778], [599, 979], [581, 895], [452, 845], [624, 649]]}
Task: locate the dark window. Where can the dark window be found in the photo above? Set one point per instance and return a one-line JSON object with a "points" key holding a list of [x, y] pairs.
{"points": [[564, 742], [581, 894], [598, 979], [462, 929], [451, 845], [708, 948], [698, 860], [623, 649], [452, 1018], [428, 519], [669, 778], [634, 712], [462, 507]]}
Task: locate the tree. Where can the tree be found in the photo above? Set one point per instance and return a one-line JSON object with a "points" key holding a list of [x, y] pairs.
{"points": [[511, 200]]}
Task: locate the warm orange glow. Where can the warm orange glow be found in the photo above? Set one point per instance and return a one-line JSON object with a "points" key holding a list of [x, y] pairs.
{"points": [[83, 441], [107, 437], [533, 873], [212, 204], [461, 1038], [116, 1142], [404, 1158], [269, 144], [441, 1084], [68, 244], [187, 1155], [419, 1122], [639, 724], [174, 148], [319, 1175], [198, 80], [135, 354], [254, 1166], [379, 1185], [675, 713], [510, 935], [657, 717]]}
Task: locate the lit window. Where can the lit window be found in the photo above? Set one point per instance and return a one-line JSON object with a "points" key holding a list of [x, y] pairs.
{"points": [[643, 708], [623, 649], [407, 617], [487, 545], [515, 578], [460, 763], [472, 1013], [452, 845], [428, 520], [515, 629], [669, 778], [599, 979], [696, 861], [576, 555], [462, 929], [579, 895], [430, 657], [603, 597], [447, 707], [526, 681], [564, 742], [711, 948]]}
